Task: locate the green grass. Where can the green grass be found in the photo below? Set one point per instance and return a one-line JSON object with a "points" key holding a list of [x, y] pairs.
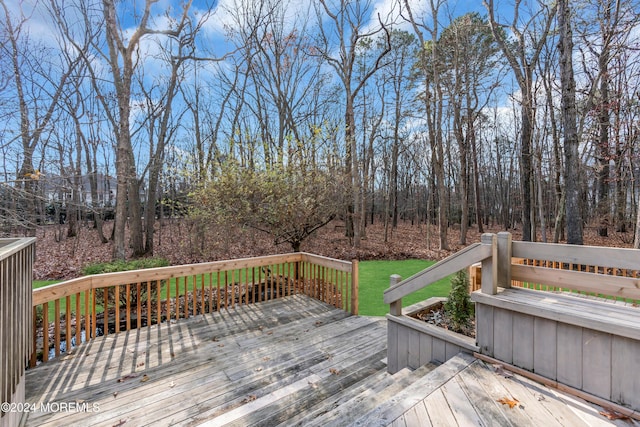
{"points": [[374, 280]]}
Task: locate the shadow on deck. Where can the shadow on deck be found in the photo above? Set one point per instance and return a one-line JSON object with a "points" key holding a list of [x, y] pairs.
{"points": [[291, 361]]}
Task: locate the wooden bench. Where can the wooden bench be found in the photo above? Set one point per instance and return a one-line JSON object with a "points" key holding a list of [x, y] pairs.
{"points": [[587, 343]]}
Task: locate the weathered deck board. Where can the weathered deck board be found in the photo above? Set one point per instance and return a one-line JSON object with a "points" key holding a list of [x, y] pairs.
{"points": [[294, 361]]}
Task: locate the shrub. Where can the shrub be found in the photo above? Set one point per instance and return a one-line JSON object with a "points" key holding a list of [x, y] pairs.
{"points": [[459, 307], [115, 266]]}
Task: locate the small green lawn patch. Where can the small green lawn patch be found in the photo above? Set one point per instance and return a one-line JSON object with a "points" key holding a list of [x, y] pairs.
{"points": [[374, 280]]}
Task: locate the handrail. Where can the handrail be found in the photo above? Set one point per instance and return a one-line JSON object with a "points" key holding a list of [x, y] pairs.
{"points": [[577, 254], [471, 254], [599, 271], [107, 303]]}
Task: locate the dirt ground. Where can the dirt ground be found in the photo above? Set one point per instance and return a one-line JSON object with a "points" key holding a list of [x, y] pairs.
{"points": [[182, 241]]}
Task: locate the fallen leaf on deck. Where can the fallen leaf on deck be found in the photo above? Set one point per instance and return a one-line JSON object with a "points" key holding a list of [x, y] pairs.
{"points": [[334, 371], [214, 339], [140, 364], [144, 378], [250, 398], [220, 345], [511, 402], [258, 369], [266, 358], [613, 415], [127, 377], [312, 384], [270, 333], [115, 394], [121, 422], [499, 369], [318, 323]]}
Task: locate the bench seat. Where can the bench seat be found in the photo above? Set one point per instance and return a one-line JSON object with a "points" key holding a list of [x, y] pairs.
{"points": [[604, 315]]}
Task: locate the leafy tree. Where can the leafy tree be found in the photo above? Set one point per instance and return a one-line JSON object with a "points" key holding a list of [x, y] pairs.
{"points": [[289, 203]]}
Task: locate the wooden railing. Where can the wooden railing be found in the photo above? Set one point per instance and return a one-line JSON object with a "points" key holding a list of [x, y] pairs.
{"points": [[541, 273], [71, 312], [16, 261], [498, 262], [456, 262]]}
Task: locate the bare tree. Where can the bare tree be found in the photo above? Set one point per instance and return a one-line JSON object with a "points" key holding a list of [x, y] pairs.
{"points": [[346, 26], [434, 105], [568, 100], [37, 85], [523, 54]]}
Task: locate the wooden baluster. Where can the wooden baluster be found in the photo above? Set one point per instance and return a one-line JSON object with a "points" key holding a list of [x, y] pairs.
{"points": [[168, 300], [276, 278], [158, 302], [34, 337], [202, 310], [177, 298], [226, 290], [116, 309], [45, 332], [105, 311], [94, 325], [127, 290], [78, 320], [194, 286], [138, 306], [210, 292], [218, 292], [87, 315], [67, 323], [149, 303], [347, 303], [56, 328]]}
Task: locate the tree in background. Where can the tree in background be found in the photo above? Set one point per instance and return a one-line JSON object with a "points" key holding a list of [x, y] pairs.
{"points": [[340, 37], [571, 142], [290, 203], [523, 53]]}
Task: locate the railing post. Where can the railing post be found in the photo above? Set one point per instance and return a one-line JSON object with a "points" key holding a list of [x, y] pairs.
{"points": [[354, 287], [490, 265], [504, 259], [395, 308]]}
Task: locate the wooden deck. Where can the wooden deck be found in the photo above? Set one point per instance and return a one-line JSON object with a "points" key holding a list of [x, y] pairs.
{"points": [[292, 361]]}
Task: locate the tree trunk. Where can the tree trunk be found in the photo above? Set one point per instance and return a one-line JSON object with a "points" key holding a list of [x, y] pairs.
{"points": [[568, 102]]}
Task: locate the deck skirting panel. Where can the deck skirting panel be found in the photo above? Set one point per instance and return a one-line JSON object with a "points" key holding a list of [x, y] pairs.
{"points": [[589, 345], [412, 343]]}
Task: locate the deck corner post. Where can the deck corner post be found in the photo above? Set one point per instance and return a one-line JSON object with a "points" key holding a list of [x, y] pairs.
{"points": [[490, 265], [503, 263], [354, 287], [395, 308]]}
